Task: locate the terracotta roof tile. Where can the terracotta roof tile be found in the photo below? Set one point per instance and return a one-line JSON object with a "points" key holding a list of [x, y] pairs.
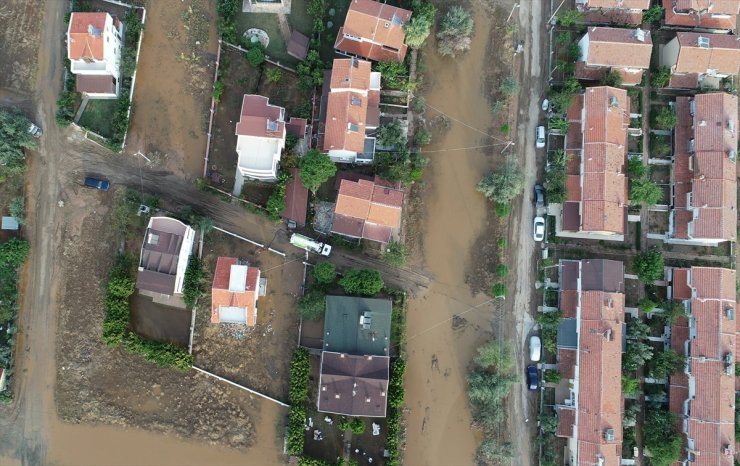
{"points": [[221, 295], [255, 114], [85, 36], [624, 4], [376, 210], [685, 13], [566, 421], [567, 362], [347, 106], [618, 48], [723, 53], [380, 26]]}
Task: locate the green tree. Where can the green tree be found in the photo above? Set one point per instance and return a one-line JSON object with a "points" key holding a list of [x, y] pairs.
{"points": [[310, 72], [390, 134], [509, 86], [637, 329], [18, 209], [395, 253], [665, 118], [14, 138], [638, 353], [661, 438], [315, 168], [612, 78], [504, 184], [499, 290], [644, 192], [496, 356], [423, 136], [357, 425], [636, 169], [325, 273], [569, 17], [558, 124], [666, 363], [660, 77], [649, 265], [455, 31], [502, 270], [630, 386], [274, 75], [548, 422], [417, 30], [312, 305], [653, 15], [393, 73], [192, 286], [256, 54], [343, 424], [366, 282]]}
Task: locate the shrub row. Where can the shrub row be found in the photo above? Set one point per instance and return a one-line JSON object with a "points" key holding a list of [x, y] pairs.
{"points": [[192, 284], [227, 11], [276, 202], [13, 254], [300, 366]]}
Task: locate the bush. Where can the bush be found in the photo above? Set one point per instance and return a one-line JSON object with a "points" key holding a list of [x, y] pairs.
{"points": [[276, 202], [649, 265], [218, 89], [390, 134], [315, 168], [613, 79], [558, 124], [635, 168], [502, 209], [395, 383], [630, 386], [274, 75], [300, 368], [637, 354], [509, 86], [644, 192], [366, 282], [312, 305], [417, 30], [255, 55], [455, 31], [646, 305], [504, 184], [569, 17], [395, 253], [665, 118], [192, 286], [423, 137], [310, 72], [227, 11], [660, 77], [552, 376], [502, 270], [666, 363], [18, 209], [357, 425], [495, 356], [343, 424], [15, 138], [296, 421], [325, 273], [653, 15], [418, 104], [393, 73], [498, 290]]}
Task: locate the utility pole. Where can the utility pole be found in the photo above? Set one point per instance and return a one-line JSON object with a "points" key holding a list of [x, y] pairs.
{"points": [[516, 5], [554, 13]]}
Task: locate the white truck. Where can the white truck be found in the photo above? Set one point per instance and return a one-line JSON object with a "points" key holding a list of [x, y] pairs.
{"points": [[304, 242]]}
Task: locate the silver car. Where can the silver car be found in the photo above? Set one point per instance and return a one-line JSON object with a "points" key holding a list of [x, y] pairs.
{"points": [[538, 232], [539, 196]]}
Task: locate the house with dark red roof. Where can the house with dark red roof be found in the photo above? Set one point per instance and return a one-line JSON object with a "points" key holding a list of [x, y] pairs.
{"points": [[165, 251], [368, 209], [596, 177], [234, 292], [710, 15], [350, 111], [624, 51], [704, 179], [590, 359], [700, 59], [613, 11], [374, 31], [94, 48], [703, 394]]}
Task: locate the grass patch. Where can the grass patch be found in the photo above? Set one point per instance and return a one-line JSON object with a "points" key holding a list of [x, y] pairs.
{"points": [[96, 116], [277, 49]]}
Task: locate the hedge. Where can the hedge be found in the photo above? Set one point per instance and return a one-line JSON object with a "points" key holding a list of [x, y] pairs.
{"points": [[300, 366], [296, 420], [192, 286]]}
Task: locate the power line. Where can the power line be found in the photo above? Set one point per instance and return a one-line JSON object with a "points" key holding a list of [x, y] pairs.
{"points": [[464, 148], [467, 125]]}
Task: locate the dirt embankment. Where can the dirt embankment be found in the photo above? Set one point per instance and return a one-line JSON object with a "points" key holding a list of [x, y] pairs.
{"points": [[99, 384]]}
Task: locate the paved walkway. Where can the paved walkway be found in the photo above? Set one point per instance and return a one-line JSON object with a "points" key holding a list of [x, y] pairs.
{"points": [[78, 115]]}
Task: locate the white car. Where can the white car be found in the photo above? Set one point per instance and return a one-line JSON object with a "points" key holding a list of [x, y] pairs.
{"points": [[540, 137], [538, 231], [535, 348], [545, 105], [35, 131]]}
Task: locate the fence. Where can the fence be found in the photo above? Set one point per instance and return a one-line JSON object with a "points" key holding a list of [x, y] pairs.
{"points": [[136, 70], [253, 392], [213, 112]]}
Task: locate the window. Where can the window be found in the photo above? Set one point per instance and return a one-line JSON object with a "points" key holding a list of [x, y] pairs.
{"points": [[351, 37], [353, 127]]}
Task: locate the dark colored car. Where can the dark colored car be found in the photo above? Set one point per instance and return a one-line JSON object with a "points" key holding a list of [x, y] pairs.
{"points": [[532, 381], [96, 183], [539, 196]]}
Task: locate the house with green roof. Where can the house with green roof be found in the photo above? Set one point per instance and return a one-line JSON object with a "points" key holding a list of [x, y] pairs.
{"points": [[359, 326]]}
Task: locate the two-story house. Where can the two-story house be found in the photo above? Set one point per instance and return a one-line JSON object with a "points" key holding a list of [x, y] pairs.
{"points": [[711, 15], [701, 60], [374, 31], [624, 51], [94, 48]]}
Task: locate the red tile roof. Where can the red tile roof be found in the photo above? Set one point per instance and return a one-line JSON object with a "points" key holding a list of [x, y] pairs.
{"points": [[613, 15], [566, 421], [603, 191], [347, 106], [296, 199], [723, 53], [95, 84], [708, 402], [86, 36], [681, 289], [686, 13], [618, 48], [221, 296], [376, 30], [368, 209], [708, 174], [256, 113], [567, 362]]}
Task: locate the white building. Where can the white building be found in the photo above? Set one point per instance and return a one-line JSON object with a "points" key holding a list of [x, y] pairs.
{"points": [[94, 48], [165, 252]]}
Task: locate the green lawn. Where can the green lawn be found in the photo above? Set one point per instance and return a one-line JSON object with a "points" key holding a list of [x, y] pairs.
{"points": [[277, 49], [298, 19], [98, 115]]}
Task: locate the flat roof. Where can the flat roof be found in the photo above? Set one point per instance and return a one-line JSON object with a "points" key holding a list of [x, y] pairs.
{"points": [[345, 333]]}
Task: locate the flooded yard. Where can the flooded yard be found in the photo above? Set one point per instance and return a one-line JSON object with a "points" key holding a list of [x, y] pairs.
{"points": [[159, 322]]}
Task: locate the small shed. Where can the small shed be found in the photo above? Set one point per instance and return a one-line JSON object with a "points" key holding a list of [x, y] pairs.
{"points": [[10, 223], [298, 45]]}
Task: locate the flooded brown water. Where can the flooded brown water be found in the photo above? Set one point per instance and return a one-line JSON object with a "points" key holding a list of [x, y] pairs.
{"points": [[438, 427]]}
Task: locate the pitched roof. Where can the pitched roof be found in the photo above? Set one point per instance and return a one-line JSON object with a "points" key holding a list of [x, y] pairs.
{"points": [[298, 45], [260, 119], [85, 36], [617, 47], [706, 395], [722, 54], [95, 84], [360, 326], [353, 385], [707, 172], [603, 137], [379, 28], [566, 421], [370, 208], [296, 199], [692, 13], [160, 253], [234, 292]]}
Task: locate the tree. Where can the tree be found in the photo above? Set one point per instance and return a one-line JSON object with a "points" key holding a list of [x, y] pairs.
{"points": [[423, 136], [495, 355], [635, 168], [672, 311], [18, 209], [192, 286], [653, 15], [366, 282], [325, 273], [665, 118], [357, 425], [660, 77], [552, 376], [417, 30], [644, 192], [612, 78], [504, 184], [491, 451], [312, 305], [661, 438], [454, 33], [14, 138], [498, 290], [649, 265], [631, 412], [274, 75], [310, 72], [390, 134], [646, 305], [255, 54], [638, 353], [509, 86], [637, 329], [630, 386], [394, 73], [549, 423], [569, 17], [395, 253], [315, 168], [487, 389], [666, 363]]}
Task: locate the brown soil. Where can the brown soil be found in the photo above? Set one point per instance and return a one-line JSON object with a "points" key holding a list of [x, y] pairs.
{"points": [[256, 357], [19, 26], [159, 322], [169, 116]]}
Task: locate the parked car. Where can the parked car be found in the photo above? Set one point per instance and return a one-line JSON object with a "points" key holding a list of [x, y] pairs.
{"points": [[92, 182], [539, 196], [532, 381], [535, 348], [538, 231], [35, 131], [540, 135], [545, 105]]}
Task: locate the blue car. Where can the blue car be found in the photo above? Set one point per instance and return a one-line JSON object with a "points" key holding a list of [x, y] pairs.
{"points": [[96, 183], [532, 381]]}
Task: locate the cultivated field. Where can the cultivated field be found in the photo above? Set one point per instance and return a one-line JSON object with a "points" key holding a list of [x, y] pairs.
{"points": [[20, 26]]}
